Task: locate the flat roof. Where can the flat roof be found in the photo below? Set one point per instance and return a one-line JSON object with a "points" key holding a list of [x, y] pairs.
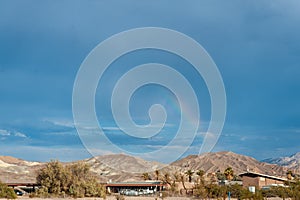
{"points": [[140, 183], [21, 184], [254, 174]]}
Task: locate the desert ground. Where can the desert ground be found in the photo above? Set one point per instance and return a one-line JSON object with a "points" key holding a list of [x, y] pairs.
{"points": [[109, 198], [126, 198]]}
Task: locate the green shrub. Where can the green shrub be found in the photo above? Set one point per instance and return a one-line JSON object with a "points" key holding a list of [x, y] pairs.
{"points": [[6, 192], [75, 180], [120, 197]]}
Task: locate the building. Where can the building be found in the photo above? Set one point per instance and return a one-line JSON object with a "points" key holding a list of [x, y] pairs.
{"points": [[226, 182], [257, 180], [135, 188], [23, 188]]}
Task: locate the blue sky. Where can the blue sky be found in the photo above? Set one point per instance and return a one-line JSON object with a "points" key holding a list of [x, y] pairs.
{"points": [[255, 44]]}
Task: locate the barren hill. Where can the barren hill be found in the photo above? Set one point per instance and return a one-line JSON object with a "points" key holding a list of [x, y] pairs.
{"points": [[120, 167], [212, 162], [14, 170]]}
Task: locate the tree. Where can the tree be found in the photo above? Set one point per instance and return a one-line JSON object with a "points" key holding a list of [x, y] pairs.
{"points": [[157, 174], [294, 190], [74, 180], [167, 178], [146, 176], [189, 173], [182, 178], [289, 175], [176, 176], [229, 173], [220, 176], [201, 173], [200, 192], [53, 178], [174, 185], [6, 192]]}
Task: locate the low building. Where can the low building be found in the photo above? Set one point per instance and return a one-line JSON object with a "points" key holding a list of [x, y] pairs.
{"points": [[23, 188], [257, 180], [135, 188], [226, 182]]}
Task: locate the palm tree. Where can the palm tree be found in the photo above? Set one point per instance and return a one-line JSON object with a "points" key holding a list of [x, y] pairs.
{"points": [[189, 173], [289, 175], [176, 177], [157, 174], [167, 178], [220, 176], [229, 173], [146, 176], [200, 173], [182, 178]]}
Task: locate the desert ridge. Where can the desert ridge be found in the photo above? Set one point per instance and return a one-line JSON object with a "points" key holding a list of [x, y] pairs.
{"points": [[121, 167]]}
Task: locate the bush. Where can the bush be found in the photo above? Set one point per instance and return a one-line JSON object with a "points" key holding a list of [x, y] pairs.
{"points": [[120, 197], [73, 180], [6, 192]]}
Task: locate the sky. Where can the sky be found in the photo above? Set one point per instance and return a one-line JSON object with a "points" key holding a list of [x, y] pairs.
{"points": [[255, 45]]}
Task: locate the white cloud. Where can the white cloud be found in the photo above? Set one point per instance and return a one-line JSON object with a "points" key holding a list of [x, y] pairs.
{"points": [[18, 134], [4, 132], [11, 133], [61, 122]]}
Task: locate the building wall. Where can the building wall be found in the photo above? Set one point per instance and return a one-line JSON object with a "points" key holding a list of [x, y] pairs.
{"points": [[267, 181], [250, 181], [259, 181]]}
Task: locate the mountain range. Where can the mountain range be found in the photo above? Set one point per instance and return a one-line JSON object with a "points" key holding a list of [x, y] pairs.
{"points": [[291, 162], [121, 167]]}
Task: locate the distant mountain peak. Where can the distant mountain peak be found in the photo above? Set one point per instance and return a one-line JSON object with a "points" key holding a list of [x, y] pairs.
{"points": [[126, 163], [219, 161], [290, 162]]}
